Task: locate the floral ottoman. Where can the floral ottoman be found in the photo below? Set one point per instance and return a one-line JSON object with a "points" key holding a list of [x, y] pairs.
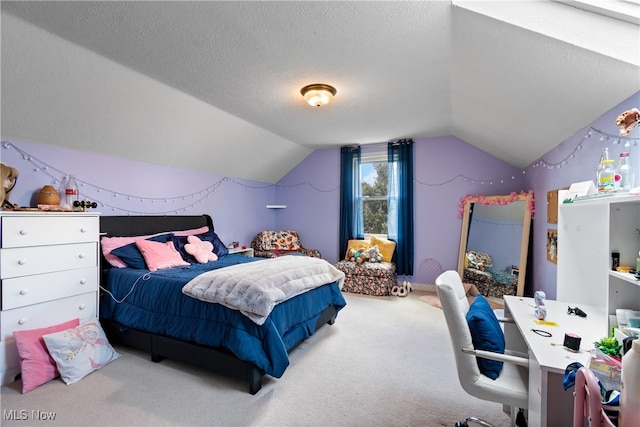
{"points": [[369, 278]]}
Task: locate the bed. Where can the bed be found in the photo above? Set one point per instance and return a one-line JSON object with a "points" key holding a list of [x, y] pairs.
{"points": [[148, 311]]}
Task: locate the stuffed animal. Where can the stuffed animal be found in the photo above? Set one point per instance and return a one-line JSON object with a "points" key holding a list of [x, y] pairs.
{"points": [[374, 254], [628, 120], [8, 178], [474, 263], [364, 257], [202, 251], [357, 256]]}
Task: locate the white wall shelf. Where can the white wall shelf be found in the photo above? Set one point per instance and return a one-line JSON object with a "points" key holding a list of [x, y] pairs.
{"points": [[276, 206]]}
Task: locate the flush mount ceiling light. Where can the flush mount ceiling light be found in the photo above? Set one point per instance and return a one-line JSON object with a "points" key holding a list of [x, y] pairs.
{"points": [[318, 94]]}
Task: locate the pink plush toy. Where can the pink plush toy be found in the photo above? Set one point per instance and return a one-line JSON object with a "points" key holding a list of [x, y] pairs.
{"points": [[202, 251]]}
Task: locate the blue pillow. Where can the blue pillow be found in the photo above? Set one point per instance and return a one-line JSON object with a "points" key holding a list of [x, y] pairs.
{"points": [[486, 335], [210, 236], [131, 256]]}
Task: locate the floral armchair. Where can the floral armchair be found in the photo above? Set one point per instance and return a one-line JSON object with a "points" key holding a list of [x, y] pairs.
{"points": [[272, 244], [370, 278], [479, 270]]}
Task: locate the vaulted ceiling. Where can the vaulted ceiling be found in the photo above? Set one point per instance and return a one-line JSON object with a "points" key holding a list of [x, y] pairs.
{"points": [[514, 79]]}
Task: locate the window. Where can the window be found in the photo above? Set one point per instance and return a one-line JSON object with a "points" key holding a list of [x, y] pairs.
{"points": [[376, 197], [374, 192]]}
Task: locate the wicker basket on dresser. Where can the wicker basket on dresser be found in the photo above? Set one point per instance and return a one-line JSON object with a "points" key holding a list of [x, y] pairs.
{"points": [[48, 274]]}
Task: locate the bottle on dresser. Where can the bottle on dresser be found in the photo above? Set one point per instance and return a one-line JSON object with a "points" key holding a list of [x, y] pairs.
{"points": [[71, 192]]}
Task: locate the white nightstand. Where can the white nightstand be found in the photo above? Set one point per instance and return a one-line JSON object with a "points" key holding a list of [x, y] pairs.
{"points": [[240, 251]]}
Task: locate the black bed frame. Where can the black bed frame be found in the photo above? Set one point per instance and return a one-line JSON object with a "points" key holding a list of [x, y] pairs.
{"points": [[159, 346]]}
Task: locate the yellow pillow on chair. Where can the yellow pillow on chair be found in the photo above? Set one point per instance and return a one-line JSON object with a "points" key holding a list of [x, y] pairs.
{"points": [[356, 245], [387, 247]]}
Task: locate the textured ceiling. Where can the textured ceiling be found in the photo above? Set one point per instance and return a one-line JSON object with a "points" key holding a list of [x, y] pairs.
{"points": [[513, 80]]}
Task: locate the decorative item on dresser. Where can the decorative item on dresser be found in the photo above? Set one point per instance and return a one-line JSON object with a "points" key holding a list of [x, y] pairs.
{"points": [[48, 275]]}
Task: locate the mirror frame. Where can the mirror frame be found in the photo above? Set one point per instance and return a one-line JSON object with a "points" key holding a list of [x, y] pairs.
{"points": [[465, 208]]}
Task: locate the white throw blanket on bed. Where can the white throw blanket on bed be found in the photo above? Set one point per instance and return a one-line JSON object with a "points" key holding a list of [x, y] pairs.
{"points": [[255, 288]]}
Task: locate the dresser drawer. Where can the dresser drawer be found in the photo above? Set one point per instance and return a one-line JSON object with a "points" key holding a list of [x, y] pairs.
{"points": [[48, 314], [16, 262], [27, 290], [48, 230]]}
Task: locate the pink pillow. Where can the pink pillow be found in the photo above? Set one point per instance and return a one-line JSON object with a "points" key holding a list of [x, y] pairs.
{"points": [[108, 244], [36, 364], [202, 251], [159, 255]]}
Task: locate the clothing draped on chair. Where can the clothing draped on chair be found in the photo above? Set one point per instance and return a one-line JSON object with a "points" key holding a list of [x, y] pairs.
{"points": [[351, 219], [400, 221]]}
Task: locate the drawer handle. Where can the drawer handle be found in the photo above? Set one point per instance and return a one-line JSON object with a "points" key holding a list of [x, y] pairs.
{"points": [[24, 291], [82, 306], [23, 232], [83, 281], [81, 256], [22, 321], [83, 230], [22, 261]]}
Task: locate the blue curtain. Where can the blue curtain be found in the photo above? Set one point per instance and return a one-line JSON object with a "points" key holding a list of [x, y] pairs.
{"points": [[351, 219], [400, 221]]}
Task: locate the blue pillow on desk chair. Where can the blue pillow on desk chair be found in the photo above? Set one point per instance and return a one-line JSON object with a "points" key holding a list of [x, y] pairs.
{"points": [[486, 334]]}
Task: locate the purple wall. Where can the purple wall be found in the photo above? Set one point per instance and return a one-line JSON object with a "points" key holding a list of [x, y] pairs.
{"points": [[123, 187], [446, 169], [311, 192], [577, 159]]}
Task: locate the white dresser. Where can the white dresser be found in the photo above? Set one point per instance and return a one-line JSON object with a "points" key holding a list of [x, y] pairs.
{"points": [[48, 274]]}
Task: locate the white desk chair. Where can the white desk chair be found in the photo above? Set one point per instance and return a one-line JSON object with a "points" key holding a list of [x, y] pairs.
{"points": [[512, 385]]}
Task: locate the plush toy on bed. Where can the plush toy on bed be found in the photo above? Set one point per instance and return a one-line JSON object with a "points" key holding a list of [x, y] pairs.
{"points": [[202, 251]]}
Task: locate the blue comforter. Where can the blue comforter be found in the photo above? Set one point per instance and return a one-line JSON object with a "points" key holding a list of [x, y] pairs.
{"points": [[154, 302]]}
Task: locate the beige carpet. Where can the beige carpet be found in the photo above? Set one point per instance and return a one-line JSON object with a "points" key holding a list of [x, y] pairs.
{"points": [[387, 361]]}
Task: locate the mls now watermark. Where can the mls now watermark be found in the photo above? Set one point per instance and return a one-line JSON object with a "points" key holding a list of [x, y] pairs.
{"points": [[23, 415]]}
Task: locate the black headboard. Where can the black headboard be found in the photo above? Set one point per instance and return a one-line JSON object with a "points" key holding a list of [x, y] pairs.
{"points": [[131, 225], [125, 226]]}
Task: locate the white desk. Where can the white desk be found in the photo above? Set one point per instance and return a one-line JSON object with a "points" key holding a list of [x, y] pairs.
{"points": [[549, 403]]}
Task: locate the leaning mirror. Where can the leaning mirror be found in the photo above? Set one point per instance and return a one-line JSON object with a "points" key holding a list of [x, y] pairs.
{"points": [[494, 243]]}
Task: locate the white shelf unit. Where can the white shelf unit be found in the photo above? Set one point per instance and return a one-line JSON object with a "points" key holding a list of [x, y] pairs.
{"points": [[588, 232]]}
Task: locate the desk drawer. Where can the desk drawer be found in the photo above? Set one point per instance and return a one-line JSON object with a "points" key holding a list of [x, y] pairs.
{"points": [[48, 313], [16, 262], [43, 230], [27, 290]]}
